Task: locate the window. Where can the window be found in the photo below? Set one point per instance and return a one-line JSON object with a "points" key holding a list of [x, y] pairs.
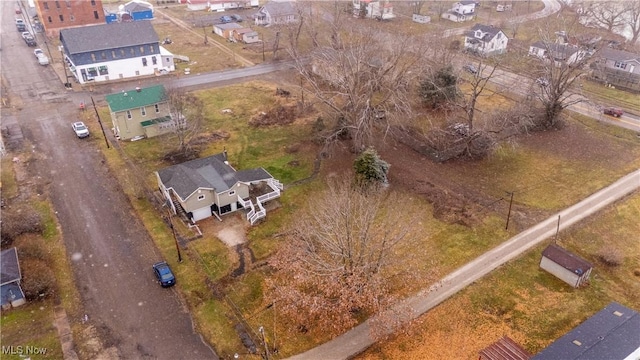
{"points": [[133, 52], [141, 49], [92, 72], [232, 192], [122, 52], [93, 57], [620, 65], [68, 2], [113, 54], [151, 49], [157, 107], [200, 197], [129, 114], [93, 2], [49, 18], [57, 4], [144, 61], [45, 5], [154, 60], [95, 15], [72, 18], [143, 111], [61, 18], [103, 55], [103, 70]]}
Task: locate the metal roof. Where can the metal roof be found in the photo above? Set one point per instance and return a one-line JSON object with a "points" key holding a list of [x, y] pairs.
{"points": [[9, 266], [84, 39], [212, 172], [135, 98], [567, 260], [504, 349], [612, 334]]}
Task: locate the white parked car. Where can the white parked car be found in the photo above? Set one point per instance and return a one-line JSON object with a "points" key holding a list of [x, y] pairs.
{"points": [[42, 58], [80, 129]]}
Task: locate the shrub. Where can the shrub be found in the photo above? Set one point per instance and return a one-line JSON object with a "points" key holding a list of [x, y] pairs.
{"points": [[611, 257], [38, 280], [19, 220], [32, 247]]}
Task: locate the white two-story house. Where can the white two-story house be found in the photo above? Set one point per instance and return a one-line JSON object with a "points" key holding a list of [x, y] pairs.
{"points": [[486, 40], [373, 9]]}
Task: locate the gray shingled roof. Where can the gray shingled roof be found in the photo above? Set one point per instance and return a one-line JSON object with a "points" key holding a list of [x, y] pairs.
{"points": [[619, 55], [610, 334], [9, 266], [207, 173], [108, 36], [567, 260], [491, 32], [279, 8]]}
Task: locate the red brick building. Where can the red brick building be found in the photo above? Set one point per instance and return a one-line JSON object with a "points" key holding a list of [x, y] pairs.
{"points": [[61, 14]]}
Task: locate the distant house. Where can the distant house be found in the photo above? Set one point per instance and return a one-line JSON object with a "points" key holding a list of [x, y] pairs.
{"points": [[560, 53], [11, 294], [225, 30], [617, 68], [464, 10], [486, 40], [612, 334], [245, 35], [275, 13], [504, 349], [373, 9], [210, 186], [114, 51], [566, 266], [140, 112]]}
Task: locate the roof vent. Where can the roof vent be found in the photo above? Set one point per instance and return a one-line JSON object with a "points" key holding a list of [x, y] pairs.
{"points": [[124, 94], [576, 342], [138, 89], [617, 313]]}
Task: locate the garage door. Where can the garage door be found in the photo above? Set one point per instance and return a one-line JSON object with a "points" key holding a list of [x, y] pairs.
{"points": [[202, 213]]}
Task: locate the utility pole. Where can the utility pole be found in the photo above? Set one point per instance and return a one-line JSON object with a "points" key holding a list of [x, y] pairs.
{"points": [[509, 213], [266, 347], [99, 122], [555, 239]]}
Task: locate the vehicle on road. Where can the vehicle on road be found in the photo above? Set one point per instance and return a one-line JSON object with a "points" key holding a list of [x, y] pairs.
{"points": [[163, 274], [470, 68], [236, 18], [28, 38], [615, 112], [225, 19], [37, 52], [80, 129], [542, 81], [20, 25], [18, 10], [43, 60]]}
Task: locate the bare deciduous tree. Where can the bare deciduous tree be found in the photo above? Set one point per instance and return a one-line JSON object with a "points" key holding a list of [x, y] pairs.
{"points": [[363, 80], [336, 265], [609, 15], [417, 5], [187, 112], [633, 20]]}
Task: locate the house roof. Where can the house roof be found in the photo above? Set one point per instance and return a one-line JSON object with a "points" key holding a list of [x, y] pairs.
{"points": [[567, 260], [213, 172], [279, 8], [108, 36], [133, 99], [9, 266], [612, 333], [619, 55], [135, 6], [245, 31], [504, 349], [228, 26], [489, 32], [467, 2]]}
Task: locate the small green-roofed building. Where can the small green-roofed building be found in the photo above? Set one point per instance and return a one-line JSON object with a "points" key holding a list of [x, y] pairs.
{"points": [[141, 112]]}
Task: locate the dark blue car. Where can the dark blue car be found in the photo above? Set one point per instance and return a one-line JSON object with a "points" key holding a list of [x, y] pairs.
{"points": [[164, 274]]}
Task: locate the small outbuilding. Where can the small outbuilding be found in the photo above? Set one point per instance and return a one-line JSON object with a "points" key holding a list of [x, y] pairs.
{"points": [[566, 266], [11, 294]]}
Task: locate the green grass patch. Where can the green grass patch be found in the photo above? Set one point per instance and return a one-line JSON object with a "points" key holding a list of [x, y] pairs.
{"points": [[30, 327], [8, 182]]}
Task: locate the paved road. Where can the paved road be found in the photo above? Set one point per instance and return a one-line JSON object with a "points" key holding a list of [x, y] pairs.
{"points": [[110, 251], [359, 339]]}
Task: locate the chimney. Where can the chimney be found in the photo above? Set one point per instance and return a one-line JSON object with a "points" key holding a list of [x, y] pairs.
{"points": [[224, 152]]}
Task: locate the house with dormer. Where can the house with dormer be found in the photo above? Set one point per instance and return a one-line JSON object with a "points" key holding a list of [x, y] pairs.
{"points": [[486, 40], [115, 51], [560, 53], [373, 9], [206, 187], [276, 13]]}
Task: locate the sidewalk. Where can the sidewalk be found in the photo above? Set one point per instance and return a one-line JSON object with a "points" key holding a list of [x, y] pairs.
{"points": [[359, 338]]}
